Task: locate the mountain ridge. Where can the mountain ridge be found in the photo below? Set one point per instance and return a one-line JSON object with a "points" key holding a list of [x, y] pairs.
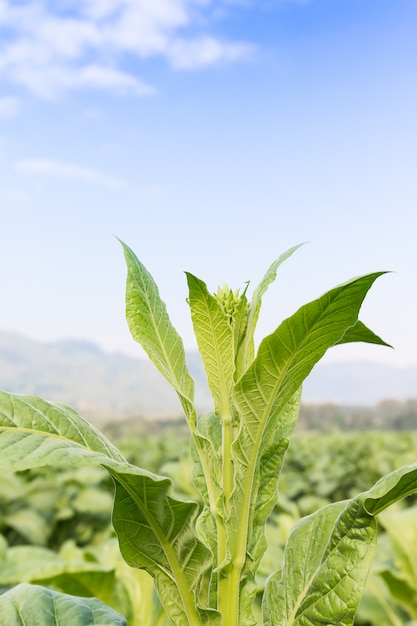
{"points": [[94, 382]]}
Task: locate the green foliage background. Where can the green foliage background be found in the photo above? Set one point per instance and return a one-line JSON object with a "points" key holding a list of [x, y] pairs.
{"points": [[55, 526]]}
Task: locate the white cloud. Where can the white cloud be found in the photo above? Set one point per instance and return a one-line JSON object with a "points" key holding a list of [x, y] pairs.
{"points": [[191, 54], [56, 169], [49, 82], [50, 47], [9, 107]]}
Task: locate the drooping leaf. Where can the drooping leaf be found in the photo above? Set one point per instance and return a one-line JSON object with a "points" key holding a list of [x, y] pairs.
{"points": [[328, 556], [160, 537], [150, 326], [155, 530], [33, 605]]}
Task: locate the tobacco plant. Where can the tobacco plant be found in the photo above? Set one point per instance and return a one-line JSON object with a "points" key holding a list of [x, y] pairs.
{"points": [[204, 559]]}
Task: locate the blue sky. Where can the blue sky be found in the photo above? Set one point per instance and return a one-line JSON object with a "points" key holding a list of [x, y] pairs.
{"points": [[210, 136]]}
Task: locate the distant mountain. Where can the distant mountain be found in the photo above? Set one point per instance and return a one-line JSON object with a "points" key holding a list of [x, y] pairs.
{"points": [[359, 383], [105, 385], [94, 382]]}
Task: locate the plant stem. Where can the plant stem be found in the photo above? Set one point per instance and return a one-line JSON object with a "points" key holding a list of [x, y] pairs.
{"points": [[228, 474], [228, 606], [229, 587]]}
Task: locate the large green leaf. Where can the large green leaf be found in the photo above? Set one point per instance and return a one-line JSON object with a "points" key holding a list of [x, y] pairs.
{"points": [[32, 605], [155, 530], [150, 326], [157, 533], [328, 556], [46, 430], [284, 360]]}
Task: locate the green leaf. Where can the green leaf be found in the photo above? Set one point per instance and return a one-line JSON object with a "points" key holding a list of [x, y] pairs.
{"points": [[32, 605], [29, 523], [157, 533], [377, 606], [402, 591], [214, 332], [401, 579], [55, 427], [155, 530], [275, 445], [359, 332], [284, 360], [215, 340], [326, 564], [97, 571], [75, 575], [150, 326], [134, 590], [328, 556], [240, 326], [246, 353]]}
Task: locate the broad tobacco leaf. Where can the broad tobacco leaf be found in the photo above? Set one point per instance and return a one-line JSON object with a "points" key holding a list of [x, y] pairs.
{"points": [[155, 531], [32, 605], [284, 360], [150, 326], [328, 556]]}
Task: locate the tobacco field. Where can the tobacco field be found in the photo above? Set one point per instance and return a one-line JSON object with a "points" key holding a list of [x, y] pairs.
{"points": [[56, 528]]}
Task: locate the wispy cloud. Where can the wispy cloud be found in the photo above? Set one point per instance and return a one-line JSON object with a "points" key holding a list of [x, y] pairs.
{"points": [[203, 51], [56, 169], [52, 47]]}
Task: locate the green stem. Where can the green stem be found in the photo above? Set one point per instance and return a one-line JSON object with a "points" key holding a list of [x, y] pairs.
{"points": [[228, 474], [229, 588], [229, 607]]}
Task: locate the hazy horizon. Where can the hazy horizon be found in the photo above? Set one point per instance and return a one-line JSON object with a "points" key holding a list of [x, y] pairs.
{"points": [[82, 375]]}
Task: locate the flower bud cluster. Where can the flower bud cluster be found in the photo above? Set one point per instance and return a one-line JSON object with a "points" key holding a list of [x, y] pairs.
{"points": [[229, 300]]}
